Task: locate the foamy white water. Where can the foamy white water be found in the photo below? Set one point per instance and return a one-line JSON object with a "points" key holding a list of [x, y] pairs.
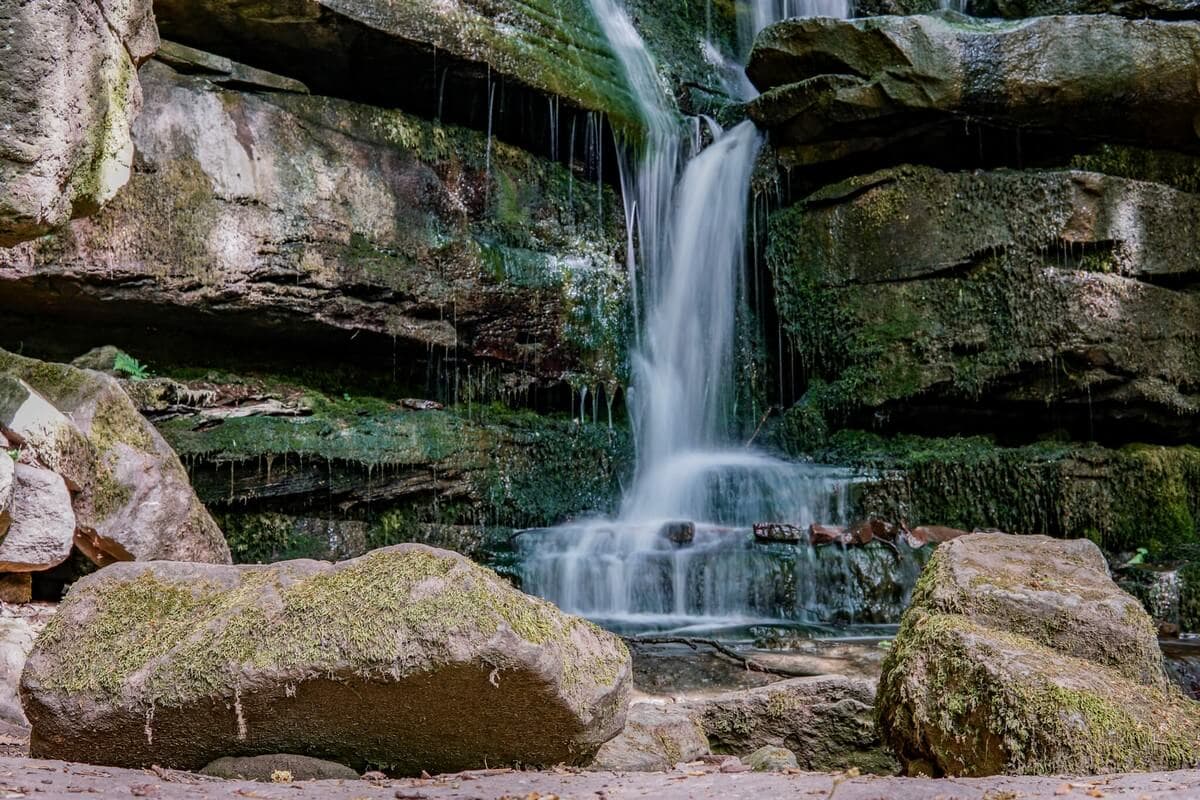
{"points": [[689, 270]]}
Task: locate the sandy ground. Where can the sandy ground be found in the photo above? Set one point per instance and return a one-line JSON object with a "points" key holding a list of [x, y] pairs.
{"points": [[54, 779]]}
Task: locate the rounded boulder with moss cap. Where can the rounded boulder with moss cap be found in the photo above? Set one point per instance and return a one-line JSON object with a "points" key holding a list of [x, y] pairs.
{"points": [[1019, 655], [406, 659]]}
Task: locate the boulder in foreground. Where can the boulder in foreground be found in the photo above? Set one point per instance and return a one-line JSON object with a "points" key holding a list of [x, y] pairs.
{"points": [[408, 658], [1019, 655]]}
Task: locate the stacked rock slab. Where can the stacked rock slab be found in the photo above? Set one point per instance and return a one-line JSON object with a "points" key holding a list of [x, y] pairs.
{"points": [[832, 88], [410, 658], [68, 95], [1019, 655]]}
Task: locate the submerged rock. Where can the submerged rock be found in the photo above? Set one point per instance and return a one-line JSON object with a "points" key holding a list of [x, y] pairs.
{"points": [[833, 87], [678, 532], [68, 95], [408, 657], [1019, 655], [778, 532]]}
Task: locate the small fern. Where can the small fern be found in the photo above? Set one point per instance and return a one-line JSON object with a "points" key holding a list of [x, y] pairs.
{"points": [[130, 366]]}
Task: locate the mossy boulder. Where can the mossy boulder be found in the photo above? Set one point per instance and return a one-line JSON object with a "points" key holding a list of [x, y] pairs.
{"points": [[1056, 299], [833, 88], [1019, 655], [131, 487], [408, 659]]}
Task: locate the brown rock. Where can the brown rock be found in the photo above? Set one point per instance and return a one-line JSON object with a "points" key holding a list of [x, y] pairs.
{"points": [[16, 587], [678, 532], [43, 524], [1019, 655], [827, 534], [931, 534], [100, 550], [263, 768], [826, 721]]}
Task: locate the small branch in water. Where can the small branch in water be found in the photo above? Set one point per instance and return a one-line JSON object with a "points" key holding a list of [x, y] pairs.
{"points": [[766, 414], [750, 664]]}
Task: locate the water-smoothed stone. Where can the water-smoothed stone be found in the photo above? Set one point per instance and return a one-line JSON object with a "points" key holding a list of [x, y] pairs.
{"points": [[135, 492], [409, 657], [1019, 655], [678, 532], [17, 635], [43, 522], [959, 290], [655, 738], [772, 759], [264, 768], [68, 95], [832, 88], [43, 433], [1020, 9], [457, 246], [825, 721]]}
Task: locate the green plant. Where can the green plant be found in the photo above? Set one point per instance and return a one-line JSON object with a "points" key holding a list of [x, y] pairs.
{"points": [[136, 370]]}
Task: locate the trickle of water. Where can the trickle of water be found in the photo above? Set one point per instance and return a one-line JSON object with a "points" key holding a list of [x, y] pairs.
{"points": [[761, 13]]}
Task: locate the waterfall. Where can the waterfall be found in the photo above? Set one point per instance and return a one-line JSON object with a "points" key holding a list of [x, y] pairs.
{"points": [[760, 13], [686, 254]]}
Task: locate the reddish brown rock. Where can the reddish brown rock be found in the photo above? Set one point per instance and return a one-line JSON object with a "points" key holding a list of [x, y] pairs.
{"points": [[828, 534], [16, 587]]}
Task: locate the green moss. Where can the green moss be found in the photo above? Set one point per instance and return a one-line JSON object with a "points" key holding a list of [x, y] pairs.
{"points": [[1160, 166], [367, 614], [1134, 496], [116, 422], [1034, 712]]}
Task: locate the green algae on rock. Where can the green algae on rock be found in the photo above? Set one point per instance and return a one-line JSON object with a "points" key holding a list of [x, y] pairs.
{"points": [[408, 658], [968, 690], [457, 249], [909, 291], [1121, 498]]}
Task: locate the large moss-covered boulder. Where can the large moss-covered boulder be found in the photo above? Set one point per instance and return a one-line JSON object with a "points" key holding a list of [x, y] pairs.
{"points": [[128, 485], [1019, 655], [455, 247], [408, 658], [832, 88], [1054, 298], [68, 95]]}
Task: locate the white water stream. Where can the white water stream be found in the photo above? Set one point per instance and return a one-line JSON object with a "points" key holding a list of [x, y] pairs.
{"points": [[688, 270]]}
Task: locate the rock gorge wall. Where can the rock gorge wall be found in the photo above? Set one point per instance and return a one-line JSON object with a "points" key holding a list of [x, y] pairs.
{"points": [[987, 278], [968, 230]]}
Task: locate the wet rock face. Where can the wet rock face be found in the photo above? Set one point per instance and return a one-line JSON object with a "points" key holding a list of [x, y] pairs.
{"points": [[452, 246], [957, 291], [68, 95], [655, 738], [834, 88], [409, 657], [1019, 655]]}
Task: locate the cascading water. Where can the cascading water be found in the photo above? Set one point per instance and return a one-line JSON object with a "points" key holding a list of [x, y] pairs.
{"points": [[688, 273], [761, 13]]}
